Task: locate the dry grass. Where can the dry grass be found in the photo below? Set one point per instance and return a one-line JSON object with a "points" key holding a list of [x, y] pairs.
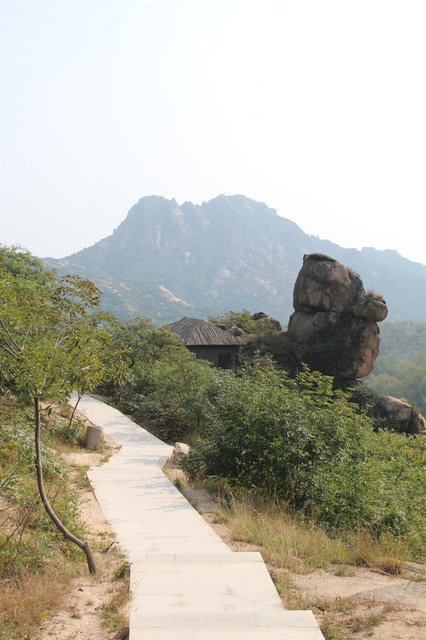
{"points": [[339, 617], [384, 553], [374, 295], [292, 546], [285, 542], [348, 616], [36, 563], [290, 543], [24, 604]]}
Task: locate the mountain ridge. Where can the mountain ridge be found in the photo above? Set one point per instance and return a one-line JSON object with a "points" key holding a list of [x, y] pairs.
{"points": [[230, 252]]}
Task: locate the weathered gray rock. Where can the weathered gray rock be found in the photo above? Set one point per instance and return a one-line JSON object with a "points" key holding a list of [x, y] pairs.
{"points": [[421, 427], [94, 437], [402, 416], [181, 449], [324, 284], [370, 308], [333, 328], [397, 409], [303, 325], [361, 348], [269, 323]]}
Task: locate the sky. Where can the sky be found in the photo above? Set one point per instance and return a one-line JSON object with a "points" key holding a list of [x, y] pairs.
{"points": [[315, 107]]}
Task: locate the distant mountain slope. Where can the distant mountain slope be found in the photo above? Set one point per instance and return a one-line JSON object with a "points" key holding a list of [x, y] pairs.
{"points": [[228, 253]]}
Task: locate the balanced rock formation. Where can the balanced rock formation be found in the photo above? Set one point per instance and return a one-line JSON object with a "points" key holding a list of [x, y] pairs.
{"points": [[334, 326]]}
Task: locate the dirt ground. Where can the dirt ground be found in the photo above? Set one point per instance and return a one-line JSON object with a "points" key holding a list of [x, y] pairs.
{"points": [[95, 607]]}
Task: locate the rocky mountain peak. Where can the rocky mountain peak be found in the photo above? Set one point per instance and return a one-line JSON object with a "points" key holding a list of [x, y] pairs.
{"points": [[228, 253]]}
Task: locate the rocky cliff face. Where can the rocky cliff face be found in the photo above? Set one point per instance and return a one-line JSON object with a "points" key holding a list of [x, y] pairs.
{"points": [[334, 326]]}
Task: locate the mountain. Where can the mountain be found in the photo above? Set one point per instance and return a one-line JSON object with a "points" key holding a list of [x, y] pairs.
{"points": [[165, 261]]}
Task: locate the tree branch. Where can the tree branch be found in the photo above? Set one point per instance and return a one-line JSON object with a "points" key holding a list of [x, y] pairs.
{"points": [[9, 335], [83, 545]]}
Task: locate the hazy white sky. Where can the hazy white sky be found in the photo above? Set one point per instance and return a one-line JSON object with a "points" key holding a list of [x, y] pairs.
{"points": [[317, 108]]}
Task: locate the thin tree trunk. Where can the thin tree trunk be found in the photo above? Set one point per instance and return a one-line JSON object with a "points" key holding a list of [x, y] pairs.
{"points": [[83, 545], [74, 409]]}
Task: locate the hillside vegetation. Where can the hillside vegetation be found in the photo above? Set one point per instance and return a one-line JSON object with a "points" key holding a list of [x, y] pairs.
{"points": [[52, 341], [258, 432], [400, 369], [298, 440]]}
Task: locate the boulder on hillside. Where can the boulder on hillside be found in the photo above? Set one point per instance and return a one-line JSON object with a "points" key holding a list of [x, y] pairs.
{"points": [[333, 328], [236, 331], [399, 410], [180, 449], [404, 417]]}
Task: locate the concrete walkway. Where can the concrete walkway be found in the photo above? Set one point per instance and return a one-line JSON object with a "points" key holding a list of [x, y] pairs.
{"points": [[185, 582]]}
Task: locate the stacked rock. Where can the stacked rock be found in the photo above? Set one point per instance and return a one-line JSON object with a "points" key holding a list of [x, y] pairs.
{"points": [[334, 326]]}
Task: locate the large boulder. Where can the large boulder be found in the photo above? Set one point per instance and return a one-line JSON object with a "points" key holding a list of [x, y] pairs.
{"points": [[324, 284], [333, 328]]}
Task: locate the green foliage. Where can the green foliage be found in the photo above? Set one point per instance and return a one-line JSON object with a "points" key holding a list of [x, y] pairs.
{"points": [[373, 404], [243, 320], [306, 442], [51, 341], [168, 386], [262, 336], [402, 359], [298, 439], [28, 538]]}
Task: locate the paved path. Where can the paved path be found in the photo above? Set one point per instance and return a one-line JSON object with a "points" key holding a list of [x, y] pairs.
{"points": [[186, 583]]}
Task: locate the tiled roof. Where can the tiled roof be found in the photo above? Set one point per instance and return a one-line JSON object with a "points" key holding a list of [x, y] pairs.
{"points": [[195, 332]]}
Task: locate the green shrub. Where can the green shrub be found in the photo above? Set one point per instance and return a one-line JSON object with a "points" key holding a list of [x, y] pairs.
{"points": [[168, 387], [307, 443], [28, 538]]}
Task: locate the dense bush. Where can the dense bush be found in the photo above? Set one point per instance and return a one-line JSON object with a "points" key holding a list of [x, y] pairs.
{"points": [[308, 444]]}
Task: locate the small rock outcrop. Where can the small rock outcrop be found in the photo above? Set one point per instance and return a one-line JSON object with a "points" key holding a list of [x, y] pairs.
{"points": [[180, 450], [402, 416], [334, 326], [399, 410]]}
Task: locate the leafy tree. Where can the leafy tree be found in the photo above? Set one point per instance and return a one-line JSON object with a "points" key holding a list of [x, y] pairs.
{"points": [[242, 319], [168, 386], [51, 341]]}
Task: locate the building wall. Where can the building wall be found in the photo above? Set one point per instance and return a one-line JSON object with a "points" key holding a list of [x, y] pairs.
{"points": [[225, 357]]}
